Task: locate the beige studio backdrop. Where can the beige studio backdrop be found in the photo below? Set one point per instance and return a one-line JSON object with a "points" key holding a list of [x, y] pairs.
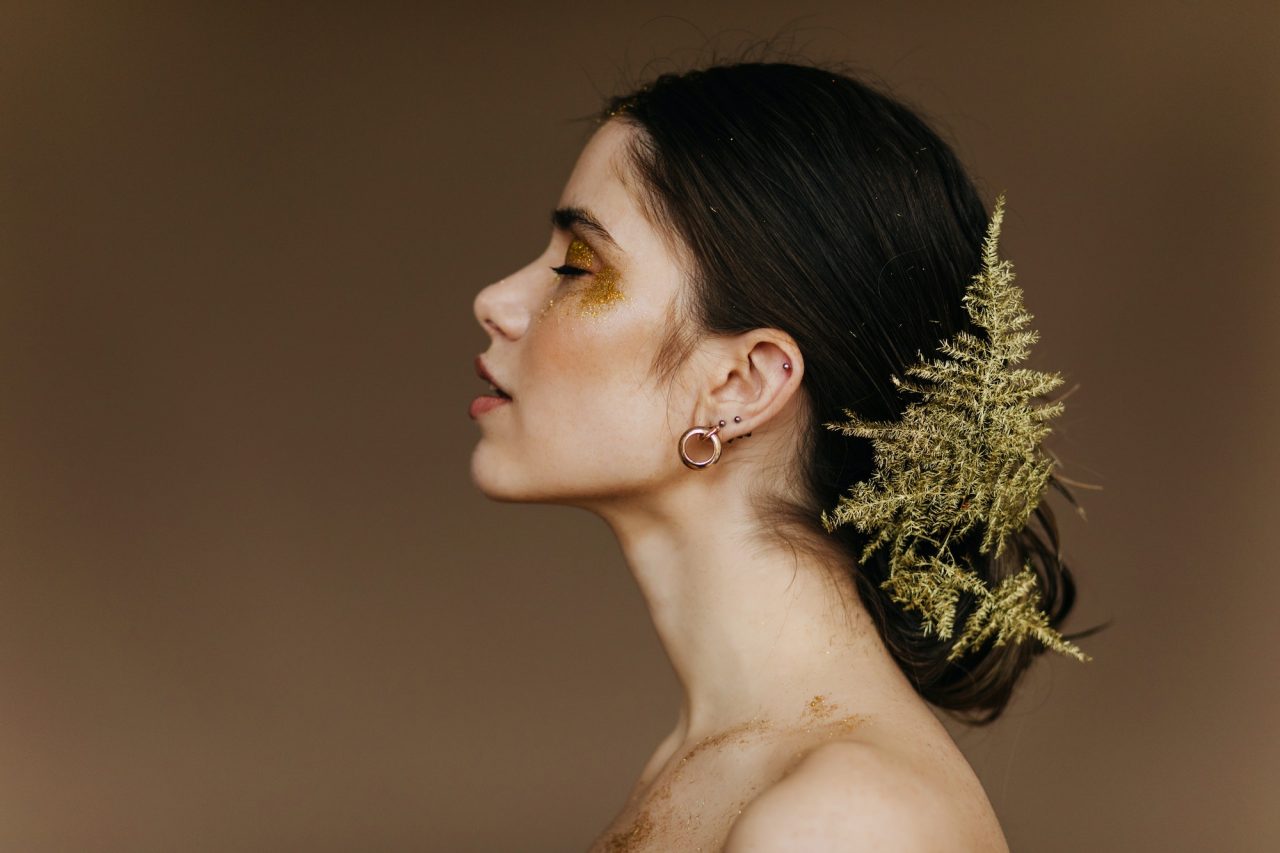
{"points": [[249, 598]]}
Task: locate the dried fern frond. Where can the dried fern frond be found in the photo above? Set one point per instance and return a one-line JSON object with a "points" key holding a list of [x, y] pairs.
{"points": [[966, 454]]}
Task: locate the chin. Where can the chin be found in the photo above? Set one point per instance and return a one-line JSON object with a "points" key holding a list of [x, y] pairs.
{"points": [[500, 479], [496, 478], [486, 473]]}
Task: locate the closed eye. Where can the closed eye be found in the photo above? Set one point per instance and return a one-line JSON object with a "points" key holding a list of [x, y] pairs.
{"points": [[569, 271]]}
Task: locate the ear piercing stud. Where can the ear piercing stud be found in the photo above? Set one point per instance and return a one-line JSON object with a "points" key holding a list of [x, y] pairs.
{"points": [[737, 419]]}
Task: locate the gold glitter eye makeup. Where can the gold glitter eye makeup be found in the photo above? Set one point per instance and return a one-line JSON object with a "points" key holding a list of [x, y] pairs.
{"points": [[579, 255], [577, 262], [602, 292], [603, 289]]}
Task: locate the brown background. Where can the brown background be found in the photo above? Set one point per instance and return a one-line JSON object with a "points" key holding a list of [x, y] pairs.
{"points": [[249, 598]]}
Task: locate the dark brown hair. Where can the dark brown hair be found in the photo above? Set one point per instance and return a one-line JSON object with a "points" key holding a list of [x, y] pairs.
{"points": [[810, 202]]}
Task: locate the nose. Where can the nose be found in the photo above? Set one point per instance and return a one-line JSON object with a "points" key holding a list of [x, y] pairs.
{"points": [[500, 310]]}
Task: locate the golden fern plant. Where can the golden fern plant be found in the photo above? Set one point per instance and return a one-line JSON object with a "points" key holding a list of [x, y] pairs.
{"points": [[966, 453]]}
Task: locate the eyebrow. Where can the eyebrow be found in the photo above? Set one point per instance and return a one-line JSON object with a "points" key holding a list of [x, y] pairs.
{"points": [[567, 218]]}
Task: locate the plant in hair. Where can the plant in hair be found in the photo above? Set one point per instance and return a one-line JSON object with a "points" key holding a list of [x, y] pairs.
{"points": [[964, 457]]}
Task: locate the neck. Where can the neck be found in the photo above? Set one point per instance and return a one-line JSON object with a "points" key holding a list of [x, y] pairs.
{"points": [[753, 630]]}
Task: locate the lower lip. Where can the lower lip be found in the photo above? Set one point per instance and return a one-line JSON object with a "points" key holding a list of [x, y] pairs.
{"points": [[486, 403]]}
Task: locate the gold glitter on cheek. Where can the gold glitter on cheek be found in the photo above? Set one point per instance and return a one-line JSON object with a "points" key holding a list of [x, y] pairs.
{"points": [[546, 308], [601, 293]]}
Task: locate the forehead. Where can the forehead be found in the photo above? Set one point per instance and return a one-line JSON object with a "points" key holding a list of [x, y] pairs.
{"points": [[601, 168], [602, 183]]}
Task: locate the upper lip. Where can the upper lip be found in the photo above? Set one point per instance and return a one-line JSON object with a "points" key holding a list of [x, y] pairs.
{"points": [[483, 373]]}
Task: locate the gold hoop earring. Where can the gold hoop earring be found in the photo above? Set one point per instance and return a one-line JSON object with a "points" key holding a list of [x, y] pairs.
{"points": [[704, 433]]}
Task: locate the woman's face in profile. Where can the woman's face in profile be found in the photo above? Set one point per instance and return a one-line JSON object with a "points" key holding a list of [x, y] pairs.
{"points": [[587, 418]]}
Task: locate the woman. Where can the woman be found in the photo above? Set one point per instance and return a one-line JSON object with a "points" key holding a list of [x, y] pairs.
{"points": [[752, 249]]}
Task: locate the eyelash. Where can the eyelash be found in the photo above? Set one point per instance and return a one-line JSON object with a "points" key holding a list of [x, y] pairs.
{"points": [[570, 272]]}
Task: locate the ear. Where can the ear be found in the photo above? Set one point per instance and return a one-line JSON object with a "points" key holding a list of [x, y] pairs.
{"points": [[755, 376]]}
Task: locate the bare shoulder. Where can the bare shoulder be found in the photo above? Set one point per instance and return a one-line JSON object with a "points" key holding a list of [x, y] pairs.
{"points": [[853, 795]]}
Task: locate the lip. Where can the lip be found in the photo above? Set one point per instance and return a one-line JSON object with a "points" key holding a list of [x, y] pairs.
{"points": [[483, 373], [486, 403]]}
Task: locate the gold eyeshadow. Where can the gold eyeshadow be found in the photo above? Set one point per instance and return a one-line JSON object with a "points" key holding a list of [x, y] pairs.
{"points": [[601, 288], [580, 255]]}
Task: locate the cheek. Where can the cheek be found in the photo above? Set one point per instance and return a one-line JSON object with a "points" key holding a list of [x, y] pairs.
{"points": [[588, 332], [563, 346], [591, 373], [593, 420]]}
